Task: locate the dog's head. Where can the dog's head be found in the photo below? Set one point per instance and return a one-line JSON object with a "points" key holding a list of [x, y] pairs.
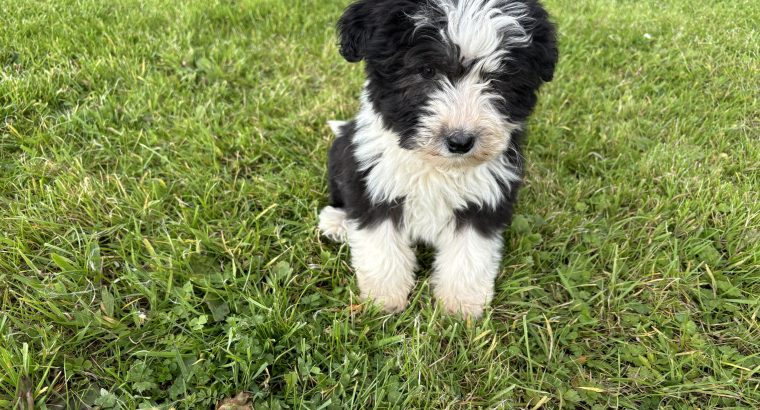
{"points": [[452, 78]]}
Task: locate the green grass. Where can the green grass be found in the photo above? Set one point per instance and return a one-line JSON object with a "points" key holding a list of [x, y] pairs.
{"points": [[162, 166]]}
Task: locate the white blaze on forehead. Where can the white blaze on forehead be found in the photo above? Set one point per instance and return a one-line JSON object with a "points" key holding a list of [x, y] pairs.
{"points": [[465, 104], [481, 28]]}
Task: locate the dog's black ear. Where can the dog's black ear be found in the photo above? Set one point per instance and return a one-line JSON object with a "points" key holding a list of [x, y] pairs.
{"points": [[355, 30], [545, 45]]}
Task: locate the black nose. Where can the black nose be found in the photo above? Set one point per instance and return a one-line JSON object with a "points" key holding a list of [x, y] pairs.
{"points": [[460, 142]]}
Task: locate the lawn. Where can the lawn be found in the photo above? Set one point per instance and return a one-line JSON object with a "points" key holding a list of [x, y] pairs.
{"points": [[162, 165]]}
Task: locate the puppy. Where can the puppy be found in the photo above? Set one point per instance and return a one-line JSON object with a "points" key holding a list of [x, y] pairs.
{"points": [[434, 155]]}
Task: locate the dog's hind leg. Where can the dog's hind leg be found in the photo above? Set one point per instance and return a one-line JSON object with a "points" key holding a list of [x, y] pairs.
{"points": [[332, 219]]}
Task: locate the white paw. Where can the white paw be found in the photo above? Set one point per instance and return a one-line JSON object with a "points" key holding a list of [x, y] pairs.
{"points": [[332, 223], [390, 302], [467, 308]]}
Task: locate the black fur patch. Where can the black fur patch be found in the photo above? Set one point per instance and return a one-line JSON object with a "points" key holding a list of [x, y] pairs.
{"points": [[492, 221], [348, 188]]}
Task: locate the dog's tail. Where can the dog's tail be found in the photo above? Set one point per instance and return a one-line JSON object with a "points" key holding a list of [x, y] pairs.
{"points": [[335, 126]]}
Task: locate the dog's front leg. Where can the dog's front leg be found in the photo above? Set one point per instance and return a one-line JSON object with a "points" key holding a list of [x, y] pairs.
{"points": [[384, 262], [465, 269]]}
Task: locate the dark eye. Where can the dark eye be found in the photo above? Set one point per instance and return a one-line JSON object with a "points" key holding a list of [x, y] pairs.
{"points": [[427, 72]]}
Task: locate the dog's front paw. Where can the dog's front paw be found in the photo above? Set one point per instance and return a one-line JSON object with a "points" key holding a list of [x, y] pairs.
{"points": [[384, 263], [456, 305], [391, 302]]}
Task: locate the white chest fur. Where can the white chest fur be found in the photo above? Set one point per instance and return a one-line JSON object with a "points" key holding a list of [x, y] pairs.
{"points": [[428, 213]]}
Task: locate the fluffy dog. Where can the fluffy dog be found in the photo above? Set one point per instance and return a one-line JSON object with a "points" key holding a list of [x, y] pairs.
{"points": [[434, 155]]}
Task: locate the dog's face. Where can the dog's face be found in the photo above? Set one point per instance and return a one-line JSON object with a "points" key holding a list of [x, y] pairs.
{"points": [[452, 78]]}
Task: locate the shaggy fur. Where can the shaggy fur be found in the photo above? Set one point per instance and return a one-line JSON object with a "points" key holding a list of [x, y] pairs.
{"points": [[434, 154]]}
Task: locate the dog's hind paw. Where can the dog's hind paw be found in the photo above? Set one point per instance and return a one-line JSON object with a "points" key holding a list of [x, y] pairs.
{"points": [[332, 223]]}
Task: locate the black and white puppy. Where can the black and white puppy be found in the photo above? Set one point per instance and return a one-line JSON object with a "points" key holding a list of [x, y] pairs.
{"points": [[434, 154]]}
